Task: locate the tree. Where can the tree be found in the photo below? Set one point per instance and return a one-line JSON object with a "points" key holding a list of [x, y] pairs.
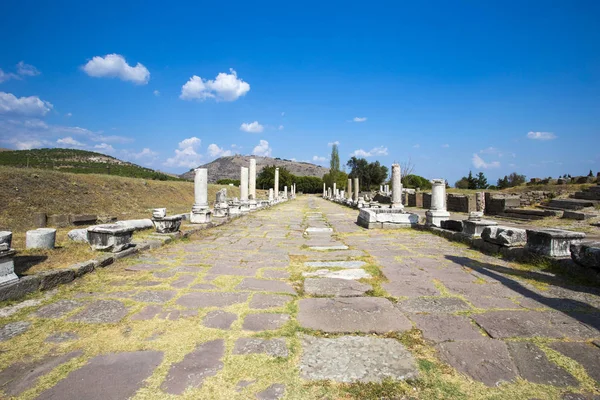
{"points": [[266, 178], [591, 174], [515, 179], [416, 181], [406, 169], [472, 181], [481, 181], [462, 183], [334, 165], [368, 174]]}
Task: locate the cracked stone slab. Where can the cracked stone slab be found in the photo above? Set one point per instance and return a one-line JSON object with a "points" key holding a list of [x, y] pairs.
{"points": [[101, 311], [351, 314], [109, 376], [263, 285], [196, 366], [585, 354], [204, 286], [57, 309], [484, 360], [433, 305], [275, 274], [13, 329], [219, 319], [225, 270], [534, 366], [272, 347], [264, 301], [147, 313], [21, 376], [335, 287], [183, 281], [211, 299], [155, 296], [335, 264], [415, 288], [354, 274], [273, 392], [356, 359], [264, 322], [507, 324], [442, 327]]}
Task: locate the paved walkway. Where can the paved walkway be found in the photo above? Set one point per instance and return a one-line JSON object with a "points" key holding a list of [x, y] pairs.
{"points": [[272, 305]]}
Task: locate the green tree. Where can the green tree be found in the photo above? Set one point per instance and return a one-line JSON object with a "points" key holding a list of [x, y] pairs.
{"points": [[266, 178], [416, 181], [334, 166], [472, 181], [591, 174], [481, 181], [368, 174], [515, 179], [462, 183]]}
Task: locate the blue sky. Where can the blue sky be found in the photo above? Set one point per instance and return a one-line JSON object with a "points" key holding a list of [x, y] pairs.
{"points": [[494, 86]]}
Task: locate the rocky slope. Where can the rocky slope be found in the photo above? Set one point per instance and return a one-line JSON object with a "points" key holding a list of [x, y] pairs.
{"points": [[229, 167]]}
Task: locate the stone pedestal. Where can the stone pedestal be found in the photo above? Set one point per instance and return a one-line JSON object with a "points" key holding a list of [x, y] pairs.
{"points": [[435, 217], [7, 266], [5, 240], [200, 211], [109, 237], [437, 212], [385, 218], [41, 238], [475, 228], [504, 236], [552, 242], [167, 224], [159, 213]]}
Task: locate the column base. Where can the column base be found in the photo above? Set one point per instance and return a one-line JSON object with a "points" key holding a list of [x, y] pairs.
{"points": [[201, 217], [435, 217]]}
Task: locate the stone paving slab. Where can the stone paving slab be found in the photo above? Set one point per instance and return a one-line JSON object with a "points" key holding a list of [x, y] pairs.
{"points": [[263, 285], [328, 248], [585, 354], [351, 314], [335, 287], [155, 296], [101, 312], [57, 309], [354, 274], [335, 264], [275, 391], [264, 301], [433, 305], [485, 360], [22, 376], [355, 359], [145, 267], [272, 347], [442, 327], [264, 322], [109, 376], [534, 366], [196, 366], [211, 299], [275, 274], [183, 281], [236, 271], [219, 319], [415, 288]]}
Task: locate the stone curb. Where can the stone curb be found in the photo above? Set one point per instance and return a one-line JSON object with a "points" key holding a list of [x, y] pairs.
{"points": [[47, 280]]}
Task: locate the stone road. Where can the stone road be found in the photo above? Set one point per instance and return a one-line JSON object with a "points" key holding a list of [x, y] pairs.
{"points": [[271, 305]]}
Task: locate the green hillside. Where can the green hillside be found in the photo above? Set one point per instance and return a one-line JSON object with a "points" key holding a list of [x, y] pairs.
{"points": [[79, 162]]}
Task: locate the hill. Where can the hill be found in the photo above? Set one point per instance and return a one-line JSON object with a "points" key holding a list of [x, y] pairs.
{"points": [[229, 167], [79, 162]]}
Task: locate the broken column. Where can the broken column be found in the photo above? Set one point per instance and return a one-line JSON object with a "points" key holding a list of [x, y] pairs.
{"points": [[324, 190], [271, 196], [245, 207], [110, 237], [396, 187], [164, 224], [285, 192], [41, 238], [350, 189], [276, 184], [252, 184], [437, 213], [356, 189], [221, 208], [200, 210], [7, 266]]}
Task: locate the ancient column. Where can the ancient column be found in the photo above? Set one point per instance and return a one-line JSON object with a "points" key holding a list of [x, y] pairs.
{"points": [[285, 192], [349, 188], [437, 213], [276, 188], [324, 190], [396, 187], [200, 212], [252, 183], [334, 190], [356, 189], [270, 195], [381, 188], [244, 189]]}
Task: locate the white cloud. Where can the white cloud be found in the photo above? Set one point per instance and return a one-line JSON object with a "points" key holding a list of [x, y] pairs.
{"points": [[35, 124], [187, 155], [252, 127], [541, 135], [262, 149], [337, 143], [359, 119], [445, 145], [29, 106], [225, 87], [489, 150], [26, 69], [107, 148], [478, 162], [319, 159], [7, 76], [146, 152], [216, 151], [69, 141], [68, 115], [28, 144], [115, 66], [377, 151], [156, 93], [280, 127]]}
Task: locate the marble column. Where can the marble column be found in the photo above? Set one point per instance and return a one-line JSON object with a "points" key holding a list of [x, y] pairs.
{"points": [[244, 189], [334, 190], [324, 190], [349, 188], [396, 187], [437, 213], [270, 195], [285, 192], [252, 183], [381, 188], [356, 189], [200, 211], [276, 188]]}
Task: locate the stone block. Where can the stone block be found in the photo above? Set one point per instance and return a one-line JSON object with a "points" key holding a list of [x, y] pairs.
{"points": [[40, 219], [20, 288], [552, 242], [504, 236], [78, 235], [110, 237], [136, 224], [167, 224], [83, 219], [376, 218], [7, 268], [474, 228], [200, 217], [435, 217], [83, 268], [58, 220], [586, 254], [51, 279], [452, 225], [41, 238]]}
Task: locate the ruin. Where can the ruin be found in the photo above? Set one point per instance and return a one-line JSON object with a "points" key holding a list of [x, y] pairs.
{"points": [[200, 210]]}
